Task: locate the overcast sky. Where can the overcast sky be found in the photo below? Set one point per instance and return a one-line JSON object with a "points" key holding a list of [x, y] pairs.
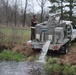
{"points": [[35, 7]]}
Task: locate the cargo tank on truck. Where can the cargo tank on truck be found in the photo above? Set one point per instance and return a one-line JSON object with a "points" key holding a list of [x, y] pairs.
{"points": [[58, 34]]}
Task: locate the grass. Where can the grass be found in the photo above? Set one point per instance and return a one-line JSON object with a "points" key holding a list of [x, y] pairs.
{"points": [[10, 30], [14, 35], [8, 37], [8, 55], [11, 56]]}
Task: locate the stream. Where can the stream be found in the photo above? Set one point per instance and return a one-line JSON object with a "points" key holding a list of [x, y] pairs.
{"points": [[21, 68]]}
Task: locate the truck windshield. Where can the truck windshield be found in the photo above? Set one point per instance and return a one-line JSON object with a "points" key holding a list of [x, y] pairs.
{"points": [[74, 26]]}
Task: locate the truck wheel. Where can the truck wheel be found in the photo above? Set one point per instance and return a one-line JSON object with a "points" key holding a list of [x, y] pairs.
{"points": [[33, 49], [64, 49], [75, 40]]}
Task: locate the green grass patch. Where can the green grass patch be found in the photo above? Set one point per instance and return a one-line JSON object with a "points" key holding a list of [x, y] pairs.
{"points": [[11, 56]]}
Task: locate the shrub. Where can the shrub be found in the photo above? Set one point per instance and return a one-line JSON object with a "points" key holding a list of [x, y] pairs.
{"points": [[48, 69], [50, 60], [56, 68], [52, 66], [52, 69], [55, 60], [69, 70]]}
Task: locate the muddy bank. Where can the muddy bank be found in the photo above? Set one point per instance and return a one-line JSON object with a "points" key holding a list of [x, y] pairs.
{"points": [[70, 57], [20, 48], [24, 50]]}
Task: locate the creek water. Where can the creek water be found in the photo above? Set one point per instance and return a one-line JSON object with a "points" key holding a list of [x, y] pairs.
{"points": [[25, 68], [21, 68]]}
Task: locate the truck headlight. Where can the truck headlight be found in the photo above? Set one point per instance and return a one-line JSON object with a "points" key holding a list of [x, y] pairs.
{"points": [[37, 36]]}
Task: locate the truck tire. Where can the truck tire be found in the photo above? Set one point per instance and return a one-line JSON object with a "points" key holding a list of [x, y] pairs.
{"points": [[64, 49], [75, 40]]}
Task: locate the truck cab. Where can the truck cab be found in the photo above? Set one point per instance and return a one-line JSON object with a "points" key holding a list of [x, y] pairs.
{"points": [[72, 28]]}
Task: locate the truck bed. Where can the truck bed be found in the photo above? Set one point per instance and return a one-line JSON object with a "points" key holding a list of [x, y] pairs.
{"points": [[39, 45]]}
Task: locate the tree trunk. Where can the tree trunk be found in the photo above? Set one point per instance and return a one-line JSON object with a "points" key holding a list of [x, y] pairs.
{"points": [[61, 9], [41, 4], [24, 20], [42, 14], [71, 12], [15, 13], [7, 13]]}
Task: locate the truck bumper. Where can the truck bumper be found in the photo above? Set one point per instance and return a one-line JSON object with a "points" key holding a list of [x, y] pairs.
{"points": [[35, 45], [39, 45]]}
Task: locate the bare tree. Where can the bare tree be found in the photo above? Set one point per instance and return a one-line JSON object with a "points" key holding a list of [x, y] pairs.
{"points": [[41, 3], [7, 13], [24, 18], [4, 6], [11, 15], [15, 12], [22, 12]]}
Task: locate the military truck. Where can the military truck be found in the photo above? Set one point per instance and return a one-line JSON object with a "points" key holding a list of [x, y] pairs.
{"points": [[60, 33]]}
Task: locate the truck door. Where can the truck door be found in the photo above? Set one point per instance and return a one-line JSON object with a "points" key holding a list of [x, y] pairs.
{"points": [[69, 30], [73, 25]]}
